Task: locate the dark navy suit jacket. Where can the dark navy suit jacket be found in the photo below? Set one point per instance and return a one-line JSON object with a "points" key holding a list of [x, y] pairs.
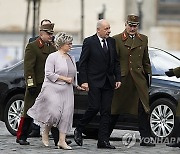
{"points": [[93, 66]]}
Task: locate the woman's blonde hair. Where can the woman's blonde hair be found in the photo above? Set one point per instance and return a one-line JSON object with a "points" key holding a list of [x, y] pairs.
{"points": [[62, 38]]}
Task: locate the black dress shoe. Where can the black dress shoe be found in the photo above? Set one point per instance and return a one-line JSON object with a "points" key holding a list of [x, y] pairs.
{"points": [[105, 145], [174, 144], [34, 134], [78, 137], [22, 142], [147, 144]]}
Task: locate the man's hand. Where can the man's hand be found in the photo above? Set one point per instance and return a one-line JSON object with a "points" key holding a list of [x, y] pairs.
{"points": [[32, 90], [170, 73], [85, 86], [148, 79], [117, 85], [80, 88]]}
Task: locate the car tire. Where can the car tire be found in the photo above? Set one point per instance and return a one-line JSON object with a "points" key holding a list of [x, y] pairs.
{"points": [[162, 118], [12, 113]]}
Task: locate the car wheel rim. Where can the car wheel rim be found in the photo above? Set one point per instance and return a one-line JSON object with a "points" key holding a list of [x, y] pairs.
{"points": [[162, 121], [14, 113]]}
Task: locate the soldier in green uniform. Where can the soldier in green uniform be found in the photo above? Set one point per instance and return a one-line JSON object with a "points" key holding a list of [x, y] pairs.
{"points": [[35, 128], [36, 53], [170, 73], [132, 97], [173, 72]]}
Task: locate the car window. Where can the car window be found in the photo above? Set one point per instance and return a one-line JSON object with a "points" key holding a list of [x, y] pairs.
{"points": [[161, 61], [20, 66], [16, 67], [76, 51]]}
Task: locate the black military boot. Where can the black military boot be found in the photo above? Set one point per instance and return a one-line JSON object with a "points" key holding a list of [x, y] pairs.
{"points": [[23, 130]]}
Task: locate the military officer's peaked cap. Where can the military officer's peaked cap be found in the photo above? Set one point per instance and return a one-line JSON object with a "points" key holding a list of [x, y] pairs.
{"points": [[47, 28], [133, 20]]}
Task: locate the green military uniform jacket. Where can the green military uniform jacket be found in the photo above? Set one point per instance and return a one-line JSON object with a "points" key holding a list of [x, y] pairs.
{"points": [[135, 63], [177, 74], [36, 54]]}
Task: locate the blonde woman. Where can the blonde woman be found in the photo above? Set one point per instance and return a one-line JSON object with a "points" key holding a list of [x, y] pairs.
{"points": [[55, 103]]}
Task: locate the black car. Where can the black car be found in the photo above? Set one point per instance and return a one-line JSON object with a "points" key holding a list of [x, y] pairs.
{"points": [[164, 97]]}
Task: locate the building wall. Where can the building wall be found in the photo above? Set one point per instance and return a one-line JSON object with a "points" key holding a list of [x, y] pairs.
{"points": [[167, 38], [66, 14], [13, 13], [163, 34]]}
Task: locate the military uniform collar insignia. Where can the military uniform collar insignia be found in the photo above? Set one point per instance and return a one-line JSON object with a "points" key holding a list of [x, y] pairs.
{"points": [[124, 36], [40, 42], [139, 36]]}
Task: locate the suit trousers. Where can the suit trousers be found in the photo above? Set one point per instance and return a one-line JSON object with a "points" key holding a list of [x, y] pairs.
{"points": [[100, 100]]}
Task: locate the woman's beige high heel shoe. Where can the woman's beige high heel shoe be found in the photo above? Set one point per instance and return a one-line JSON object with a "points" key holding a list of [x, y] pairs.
{"points": [[45, 136], [64, 146]]}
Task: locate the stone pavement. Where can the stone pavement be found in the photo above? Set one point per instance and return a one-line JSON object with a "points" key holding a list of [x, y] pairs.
{"points": [[9, 146]]}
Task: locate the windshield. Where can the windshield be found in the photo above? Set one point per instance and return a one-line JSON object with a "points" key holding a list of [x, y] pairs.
{"points": [[15, 67], [162, 61]]}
